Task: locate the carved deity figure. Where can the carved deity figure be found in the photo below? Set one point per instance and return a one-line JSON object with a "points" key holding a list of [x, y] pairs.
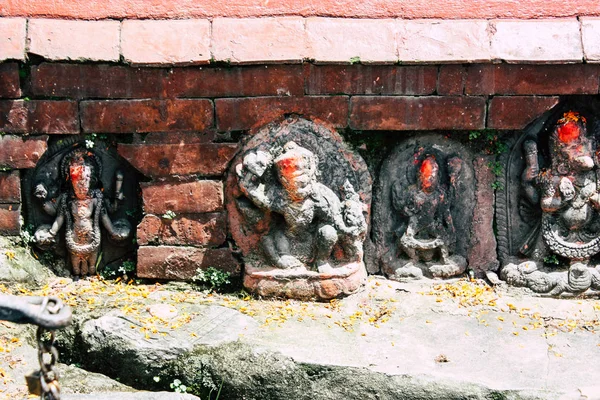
{"points": [[426, 235], [82, 210], [307, 219], [568, 196]]}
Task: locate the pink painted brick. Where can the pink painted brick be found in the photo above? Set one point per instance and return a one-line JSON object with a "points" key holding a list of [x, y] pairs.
{"points": [[12, 38], [166, 42], [74, 40], [590, 32], [346, 40], [252, 40], [553, 40], [443, 41]]}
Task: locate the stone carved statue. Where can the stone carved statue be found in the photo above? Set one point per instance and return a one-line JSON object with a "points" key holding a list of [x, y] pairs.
{"points": [[426, 236], [82, 210], [565, 199], [298, 205], [310, 220]]}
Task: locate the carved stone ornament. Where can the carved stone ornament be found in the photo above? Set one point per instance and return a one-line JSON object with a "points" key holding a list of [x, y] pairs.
{"points": [[78, 199], [298, 205], [548, 214], [423, 209]]}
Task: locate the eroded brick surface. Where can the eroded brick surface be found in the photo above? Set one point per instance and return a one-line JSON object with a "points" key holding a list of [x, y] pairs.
{"points": [[18, 153], [451, 80], [9, 81], [181, 263], [182, 197], [39, 116], [185, 229], [417, 113], [516, 112], [247, 113], [10, 187], [127, 116], [9, 219], [155, 160]]}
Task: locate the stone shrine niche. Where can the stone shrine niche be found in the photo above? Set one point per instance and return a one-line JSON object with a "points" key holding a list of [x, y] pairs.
{"points": [[548, 213], [298, 202], [80, 203], [423, 209]]}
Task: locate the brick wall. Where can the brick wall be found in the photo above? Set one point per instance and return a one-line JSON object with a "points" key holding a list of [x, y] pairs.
{"points": [[179, 126]]}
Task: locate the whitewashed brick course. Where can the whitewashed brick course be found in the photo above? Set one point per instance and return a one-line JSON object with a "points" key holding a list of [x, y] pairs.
{"points": [[348, 40], [12, 38], [56, 39], [166, 42], [254, 40], [590, 33], [556, 40], [443, 41]]}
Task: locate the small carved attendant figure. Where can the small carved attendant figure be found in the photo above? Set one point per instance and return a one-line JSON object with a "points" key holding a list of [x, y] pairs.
{"points": [[426, 235], [82, 210], [307, 218]]}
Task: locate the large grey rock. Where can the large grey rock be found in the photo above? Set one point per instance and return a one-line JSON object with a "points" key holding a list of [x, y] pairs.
{"points": [[132, 396], [18, 265]]}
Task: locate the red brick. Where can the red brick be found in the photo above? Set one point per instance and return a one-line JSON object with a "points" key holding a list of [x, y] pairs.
{"points": [[264, 80], [10, 187], [183, 197], [247, 113], [417, 113], [17, 153], [516, 112], [371, 79], [451, 80], [207, 136], [532, 79], [179, 159], [127, 116], [97, 81], [181, 263], [39, 116], [9, 219], [10, 86], [186, 229]]}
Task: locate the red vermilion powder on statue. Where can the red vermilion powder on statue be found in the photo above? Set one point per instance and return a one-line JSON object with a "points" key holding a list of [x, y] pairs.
{"points": [[568, 132]]}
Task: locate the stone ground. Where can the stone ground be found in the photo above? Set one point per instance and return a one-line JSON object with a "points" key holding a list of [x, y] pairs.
{"points": [[420, 340]]}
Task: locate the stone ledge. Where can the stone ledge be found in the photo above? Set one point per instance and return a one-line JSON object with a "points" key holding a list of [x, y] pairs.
{"points": [[285, 39]]}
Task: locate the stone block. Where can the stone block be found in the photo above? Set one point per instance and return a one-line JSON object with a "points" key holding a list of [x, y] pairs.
{"points": [[551, 40], [56, 39], [10, 86], [258, 39], [162, 42], [264, 80], [417, 113], [246, 113], [183, 197], [18, 153], [186, 229], [371, 79], [181, 263], [516, 112], [451, 80], [154, 160], [10, 187], [84, 81], [351, 40], [532, 79], [12, 38], [126, 116], [39, 116], [443, 41], [590, 36], [9, 219]]}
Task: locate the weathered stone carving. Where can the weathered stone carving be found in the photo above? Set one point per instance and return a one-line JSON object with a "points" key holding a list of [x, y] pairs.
{"points": [[299, 212], [557, 210], [71, 191], [423, 210]]}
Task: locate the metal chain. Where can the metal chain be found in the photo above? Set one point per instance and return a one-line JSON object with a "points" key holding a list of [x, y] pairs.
{"points": [[50, 389]]}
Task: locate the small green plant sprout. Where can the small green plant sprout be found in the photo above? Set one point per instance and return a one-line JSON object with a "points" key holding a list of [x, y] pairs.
{"points": [[211, 277], [169, 215], [551, 259], [497, 169], [126, 268], [354, 60], [473, 135], [178, 387]]}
